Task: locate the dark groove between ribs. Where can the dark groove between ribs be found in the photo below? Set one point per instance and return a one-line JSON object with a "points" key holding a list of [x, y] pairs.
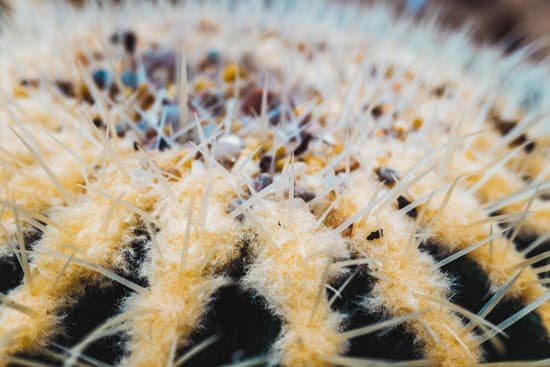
{"points": [[95, 303], [240, 317], [397, 343], [523, 240], [528, 338], [11, 273], [245, 326]]}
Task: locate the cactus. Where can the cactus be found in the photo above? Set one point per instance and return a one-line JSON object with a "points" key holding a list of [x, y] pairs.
{"points": [[247, 183]]}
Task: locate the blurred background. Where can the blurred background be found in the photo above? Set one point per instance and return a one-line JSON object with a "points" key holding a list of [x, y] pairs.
{"points": [[510, 23]]}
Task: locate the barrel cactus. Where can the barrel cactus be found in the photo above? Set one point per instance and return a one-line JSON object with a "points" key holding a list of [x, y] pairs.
{"points": [[269, 183]]}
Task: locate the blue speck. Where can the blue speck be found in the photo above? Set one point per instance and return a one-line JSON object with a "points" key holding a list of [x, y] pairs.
{"points": [[119, 129], [129, 79], [102, 78], [213, 56], [172, 115], [142, 125]]}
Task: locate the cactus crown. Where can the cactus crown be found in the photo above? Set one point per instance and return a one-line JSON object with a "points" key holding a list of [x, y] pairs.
{"points": [[249, 183]]}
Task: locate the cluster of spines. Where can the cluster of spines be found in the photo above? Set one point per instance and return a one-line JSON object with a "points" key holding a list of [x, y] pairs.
{"points": [[294, 255]]}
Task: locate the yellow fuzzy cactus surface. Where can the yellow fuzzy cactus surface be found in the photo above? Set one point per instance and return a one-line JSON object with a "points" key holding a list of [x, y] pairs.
{"points": [[268, 183]]}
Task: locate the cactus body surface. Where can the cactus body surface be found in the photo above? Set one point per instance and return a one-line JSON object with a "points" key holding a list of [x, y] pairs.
{"points": [[277, 183]]}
